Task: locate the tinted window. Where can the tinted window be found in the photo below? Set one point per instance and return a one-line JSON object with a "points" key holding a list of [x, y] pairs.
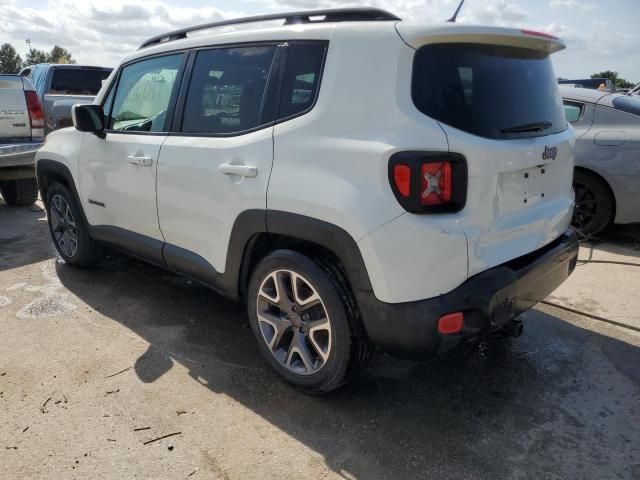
{"points": [[302, 77], [226, 90], [627, 104], [143, 93], [77, 81], [572, 111], [490, 91]]}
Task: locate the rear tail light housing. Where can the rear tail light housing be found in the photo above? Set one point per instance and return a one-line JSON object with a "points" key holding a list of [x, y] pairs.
{"points": [[429, 182], [34, 105]]}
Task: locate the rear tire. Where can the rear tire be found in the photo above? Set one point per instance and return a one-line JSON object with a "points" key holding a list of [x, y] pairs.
{"points": [[69, 231], [20, 193], [595, 205], [305, 322]]}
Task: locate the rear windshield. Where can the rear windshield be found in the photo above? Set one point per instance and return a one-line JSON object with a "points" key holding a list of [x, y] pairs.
{"points": [[77, 81], [491, 91]]}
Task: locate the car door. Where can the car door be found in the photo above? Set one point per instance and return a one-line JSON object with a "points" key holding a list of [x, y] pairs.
{"points": [[217, 163], [118, 172]]}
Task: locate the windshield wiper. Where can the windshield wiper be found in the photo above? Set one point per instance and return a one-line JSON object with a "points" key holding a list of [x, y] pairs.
{"points": [[529, 127]]}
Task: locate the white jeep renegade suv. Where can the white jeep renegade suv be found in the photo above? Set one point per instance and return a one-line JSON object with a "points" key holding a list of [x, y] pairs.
{"points": [[358, 180]]}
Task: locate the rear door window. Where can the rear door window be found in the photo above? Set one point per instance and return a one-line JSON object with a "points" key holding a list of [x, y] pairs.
{"points": [[491, 91], [227, 89], [77, 81], [573, 111], [301, 78]]}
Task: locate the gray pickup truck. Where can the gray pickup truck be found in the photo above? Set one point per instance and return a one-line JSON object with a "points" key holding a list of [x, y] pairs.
{"points": [[60, 87], [21, 135]]}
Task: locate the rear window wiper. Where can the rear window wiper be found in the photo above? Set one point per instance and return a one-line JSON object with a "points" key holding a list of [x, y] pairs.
{"points": [[529, 127]]}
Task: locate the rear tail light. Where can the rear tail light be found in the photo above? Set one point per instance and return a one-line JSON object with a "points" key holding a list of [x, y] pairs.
{"points": [[435, 183], [36, 114], [402, 179], [426, 182]]}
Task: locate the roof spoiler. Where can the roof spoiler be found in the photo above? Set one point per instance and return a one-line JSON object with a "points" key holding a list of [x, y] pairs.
{"points": [[419, 34]]}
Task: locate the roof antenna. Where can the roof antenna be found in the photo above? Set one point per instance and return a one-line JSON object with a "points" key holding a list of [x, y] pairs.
{"points": [[455, 15]]}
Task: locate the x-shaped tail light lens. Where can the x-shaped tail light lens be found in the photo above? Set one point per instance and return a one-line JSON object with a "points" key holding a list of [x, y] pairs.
{"points": [[435, 183]]}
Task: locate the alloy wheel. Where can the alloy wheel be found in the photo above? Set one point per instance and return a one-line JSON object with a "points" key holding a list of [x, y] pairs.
{"points": [[586, 206], [294, 322], [63, 226]]}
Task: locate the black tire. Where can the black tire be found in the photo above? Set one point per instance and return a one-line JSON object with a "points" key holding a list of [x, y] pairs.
{"points": [[350, 348], [595, 205], [20, 193], [88, 252]]}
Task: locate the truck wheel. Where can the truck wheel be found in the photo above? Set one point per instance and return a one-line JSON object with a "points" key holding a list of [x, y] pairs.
{"points": [[305, 322], [20, 193], [69, 232], [594, 204]]}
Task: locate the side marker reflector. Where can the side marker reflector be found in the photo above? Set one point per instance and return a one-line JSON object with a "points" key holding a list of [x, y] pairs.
{"points": [[451, 323]]}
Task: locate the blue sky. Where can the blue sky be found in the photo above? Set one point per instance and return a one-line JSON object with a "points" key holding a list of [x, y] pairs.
{"points": [[600, 35]]}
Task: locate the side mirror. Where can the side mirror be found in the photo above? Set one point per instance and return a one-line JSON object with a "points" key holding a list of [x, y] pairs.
{"points": [[88, 118]]}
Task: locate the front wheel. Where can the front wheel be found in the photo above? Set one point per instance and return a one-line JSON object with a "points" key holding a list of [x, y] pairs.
{"points": [[304, 321], [69, 232]]}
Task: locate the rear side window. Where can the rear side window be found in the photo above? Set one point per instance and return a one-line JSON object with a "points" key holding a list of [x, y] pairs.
{"points": [[490, 91], [77, 81], [573, 111], [227, 90], [301, 78]]}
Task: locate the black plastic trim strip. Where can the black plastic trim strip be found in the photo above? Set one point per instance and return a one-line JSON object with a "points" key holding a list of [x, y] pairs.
{"points": [[45, 169], [135, 244]]}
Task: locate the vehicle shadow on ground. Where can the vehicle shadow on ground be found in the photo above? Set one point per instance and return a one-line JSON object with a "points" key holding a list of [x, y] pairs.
{"points": [[21, 242], [617, 239], [550, 403]]}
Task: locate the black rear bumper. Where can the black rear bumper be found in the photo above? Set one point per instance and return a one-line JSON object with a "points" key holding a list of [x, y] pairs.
{"points": [[489, 300]]}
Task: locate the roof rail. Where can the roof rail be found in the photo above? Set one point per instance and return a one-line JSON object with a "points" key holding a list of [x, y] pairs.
{"points": [[329, 16]]}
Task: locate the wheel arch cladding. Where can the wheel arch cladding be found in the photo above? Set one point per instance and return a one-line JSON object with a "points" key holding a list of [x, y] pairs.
{"points": [[51, 171]]}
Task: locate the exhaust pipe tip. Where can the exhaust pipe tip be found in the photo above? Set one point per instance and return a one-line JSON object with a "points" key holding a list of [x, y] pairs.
{"points": [[517, 328]]}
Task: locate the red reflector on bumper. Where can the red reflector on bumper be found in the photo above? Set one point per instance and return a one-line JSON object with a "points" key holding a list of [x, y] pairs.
{"points": [[451, 323]]}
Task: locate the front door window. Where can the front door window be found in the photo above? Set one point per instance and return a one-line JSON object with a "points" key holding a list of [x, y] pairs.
{"points": [[143, 94]]}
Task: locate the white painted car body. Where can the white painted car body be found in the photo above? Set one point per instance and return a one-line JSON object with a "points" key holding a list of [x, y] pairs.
{"points": [[331, 164]]}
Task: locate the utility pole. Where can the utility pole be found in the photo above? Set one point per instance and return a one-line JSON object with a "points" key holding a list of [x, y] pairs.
{"points": [[28, 42]]}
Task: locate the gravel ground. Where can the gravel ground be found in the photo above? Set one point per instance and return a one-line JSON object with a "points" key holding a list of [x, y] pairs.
{"points": [[95, 365]]}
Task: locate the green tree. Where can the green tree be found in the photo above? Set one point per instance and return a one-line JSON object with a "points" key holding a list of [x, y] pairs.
{"points": [[60, 55], [10, 61], [36, 56]]}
